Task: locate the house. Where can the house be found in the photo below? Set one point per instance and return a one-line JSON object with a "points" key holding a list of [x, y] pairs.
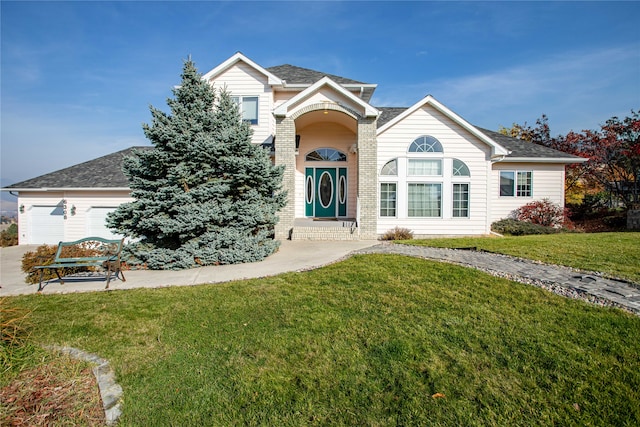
{"points": [[352, 170]]}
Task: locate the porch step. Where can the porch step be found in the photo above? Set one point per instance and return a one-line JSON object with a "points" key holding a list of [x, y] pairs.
{"points": [[325, 233]]}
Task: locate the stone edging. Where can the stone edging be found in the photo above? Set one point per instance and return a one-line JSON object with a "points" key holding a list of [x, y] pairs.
{"points": [[110, 391]]}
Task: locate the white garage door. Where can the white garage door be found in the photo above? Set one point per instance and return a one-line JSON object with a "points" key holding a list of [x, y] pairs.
{"points": [[47, 225], [97, 223]]}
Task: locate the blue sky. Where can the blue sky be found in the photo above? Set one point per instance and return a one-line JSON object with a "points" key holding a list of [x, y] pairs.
{"points": [[78, 77]]}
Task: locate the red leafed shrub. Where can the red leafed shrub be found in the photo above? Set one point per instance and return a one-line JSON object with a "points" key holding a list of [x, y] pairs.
{"points": [[541, 212]]}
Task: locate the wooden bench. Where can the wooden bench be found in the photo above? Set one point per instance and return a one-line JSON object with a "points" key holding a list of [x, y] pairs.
{"points": [[108, 258]]}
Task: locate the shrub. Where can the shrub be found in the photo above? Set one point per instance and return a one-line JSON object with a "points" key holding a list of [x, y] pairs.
{"points": [[398, 233], [45, 254], [15, 329], [541, 212], [9, 237], [514, 227]]}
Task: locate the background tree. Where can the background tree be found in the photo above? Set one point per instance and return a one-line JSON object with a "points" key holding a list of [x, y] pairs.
{"points": [[613, 152], [204, 195], [577, 181]]}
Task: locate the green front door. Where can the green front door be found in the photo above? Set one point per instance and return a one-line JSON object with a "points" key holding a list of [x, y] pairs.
{"points": [[325, 192], [325, 200]]}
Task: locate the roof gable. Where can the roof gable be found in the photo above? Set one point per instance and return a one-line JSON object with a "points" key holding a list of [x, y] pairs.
{"points": [[283, 109], [239, 57], [398, 116]]}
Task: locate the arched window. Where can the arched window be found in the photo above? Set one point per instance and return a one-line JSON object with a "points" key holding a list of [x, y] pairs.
{"points": [[460, 168], [326, 155], [425, 144], [390, 168]]}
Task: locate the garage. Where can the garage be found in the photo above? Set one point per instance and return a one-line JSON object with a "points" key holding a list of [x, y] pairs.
{"points": [[46, 225], [96, 222]]}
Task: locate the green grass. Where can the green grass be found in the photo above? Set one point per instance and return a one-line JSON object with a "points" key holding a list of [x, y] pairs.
{"points": [[367, 341], [617, 254]]}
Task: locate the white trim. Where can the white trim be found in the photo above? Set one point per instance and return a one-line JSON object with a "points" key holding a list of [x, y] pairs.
{"points": [[67, 189], [496, 149], [565, 160], [239, 57], [282, 109]]}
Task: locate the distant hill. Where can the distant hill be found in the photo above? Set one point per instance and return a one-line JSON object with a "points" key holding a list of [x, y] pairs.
{"points": [[8, 202]]}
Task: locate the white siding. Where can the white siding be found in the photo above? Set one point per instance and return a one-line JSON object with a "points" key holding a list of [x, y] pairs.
{"points": [[456, 143], [76, 223], [548, 182], [243, 80]]}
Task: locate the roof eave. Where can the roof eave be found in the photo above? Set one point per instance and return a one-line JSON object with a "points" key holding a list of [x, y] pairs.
{"points": [[565, 160], [55, 189]]}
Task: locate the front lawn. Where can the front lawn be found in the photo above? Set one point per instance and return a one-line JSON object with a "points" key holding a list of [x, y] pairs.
{"points": [[373, 340], [617, 254]]}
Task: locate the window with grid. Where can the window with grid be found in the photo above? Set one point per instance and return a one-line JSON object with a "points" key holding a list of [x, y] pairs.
{"points": [[524, 184], [425, 144], [424, 200], [390, 168], [460, 200], [516, 184], [460, 168], [388, 194]]}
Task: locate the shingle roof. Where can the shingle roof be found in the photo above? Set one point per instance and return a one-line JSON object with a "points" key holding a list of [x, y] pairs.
{"points": [[103, 172], [298, 75], [523, 149], [388, 113], [306, 76]]}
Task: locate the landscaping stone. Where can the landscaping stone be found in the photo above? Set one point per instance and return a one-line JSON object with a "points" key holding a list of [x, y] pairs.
{"points": [[633, 220], [110, 391]]}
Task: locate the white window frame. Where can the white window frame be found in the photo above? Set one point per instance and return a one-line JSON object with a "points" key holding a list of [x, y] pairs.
{"points": [[440, 201], [453, 201], [239, 100], [388, 200], [516, 189], [416, 161]]}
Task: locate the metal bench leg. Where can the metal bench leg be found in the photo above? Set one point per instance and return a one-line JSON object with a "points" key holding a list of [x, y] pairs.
{"points": [[40, 285], [59, 278], [108, 274]]}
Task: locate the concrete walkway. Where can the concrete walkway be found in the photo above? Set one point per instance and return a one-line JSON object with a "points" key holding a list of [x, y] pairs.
{"points": [[292, 256], [306, 255]]}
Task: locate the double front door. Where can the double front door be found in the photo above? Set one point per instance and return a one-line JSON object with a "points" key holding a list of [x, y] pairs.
{"points": [[325, 192]]}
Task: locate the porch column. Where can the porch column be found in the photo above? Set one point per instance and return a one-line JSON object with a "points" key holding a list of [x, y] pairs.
{"points": [[367, 177], [286, 156]]}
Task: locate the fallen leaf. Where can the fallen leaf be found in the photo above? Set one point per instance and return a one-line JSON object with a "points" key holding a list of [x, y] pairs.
{"points": [[438, 396], [576, 407]]}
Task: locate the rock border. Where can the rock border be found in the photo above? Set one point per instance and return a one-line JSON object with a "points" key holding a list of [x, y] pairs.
{"points": [[110, 390]]}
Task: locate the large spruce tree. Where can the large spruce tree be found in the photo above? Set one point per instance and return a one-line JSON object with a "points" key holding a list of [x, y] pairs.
{"points": [[204, 195]]}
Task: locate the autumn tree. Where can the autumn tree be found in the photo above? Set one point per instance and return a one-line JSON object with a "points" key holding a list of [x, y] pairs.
{"points": [[577, 180], [613, 152]]}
